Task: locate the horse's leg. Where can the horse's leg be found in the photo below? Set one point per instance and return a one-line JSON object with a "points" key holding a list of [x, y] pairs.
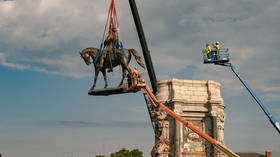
{"points": [[95, 77], [125, 68], [123, 75], [124, 63], [105, 77]]}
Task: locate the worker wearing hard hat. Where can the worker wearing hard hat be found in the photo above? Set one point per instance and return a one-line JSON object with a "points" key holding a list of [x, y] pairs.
{"points": [[207, 50], [217, 48]]}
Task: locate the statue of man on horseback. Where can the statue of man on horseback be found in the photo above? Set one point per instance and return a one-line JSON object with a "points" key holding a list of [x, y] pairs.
{"points": [[89, 55], [111, 52]]}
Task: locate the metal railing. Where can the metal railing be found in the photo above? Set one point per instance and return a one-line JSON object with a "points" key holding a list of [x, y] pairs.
{"points": [[222, 56]]}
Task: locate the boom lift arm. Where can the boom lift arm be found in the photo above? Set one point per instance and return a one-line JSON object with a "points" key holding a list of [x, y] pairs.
{"points": [[272, 119], [138, 83]]}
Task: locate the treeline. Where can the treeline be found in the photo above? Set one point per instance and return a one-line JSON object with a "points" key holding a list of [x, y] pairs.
{"points": [[125, 153], [121, 153]]}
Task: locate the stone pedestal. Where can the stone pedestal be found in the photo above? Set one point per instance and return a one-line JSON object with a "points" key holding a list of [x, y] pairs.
{"points": [[199, 102]]}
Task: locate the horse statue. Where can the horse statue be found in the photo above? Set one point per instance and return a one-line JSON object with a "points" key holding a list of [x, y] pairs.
{"points": [[112, 60]]}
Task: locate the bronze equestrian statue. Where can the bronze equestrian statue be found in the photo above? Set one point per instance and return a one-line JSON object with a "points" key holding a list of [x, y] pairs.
{"points": [[111, 60]]}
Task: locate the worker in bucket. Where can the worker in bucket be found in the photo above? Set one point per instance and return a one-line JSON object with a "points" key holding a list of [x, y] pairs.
{"points": [[207, 51], [217, 48]]}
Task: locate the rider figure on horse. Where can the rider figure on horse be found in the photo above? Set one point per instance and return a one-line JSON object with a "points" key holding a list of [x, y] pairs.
{"points": [[111, 44]]}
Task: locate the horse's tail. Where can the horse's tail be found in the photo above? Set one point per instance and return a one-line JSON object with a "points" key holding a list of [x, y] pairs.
{"points": [[137, 57]]}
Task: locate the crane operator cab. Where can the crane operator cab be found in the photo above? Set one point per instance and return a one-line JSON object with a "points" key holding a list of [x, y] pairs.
{"points": [[215, 54]]}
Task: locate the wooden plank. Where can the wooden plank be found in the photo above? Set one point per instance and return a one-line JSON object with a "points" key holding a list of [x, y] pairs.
{"points": [[215, 61], [106, 91]]}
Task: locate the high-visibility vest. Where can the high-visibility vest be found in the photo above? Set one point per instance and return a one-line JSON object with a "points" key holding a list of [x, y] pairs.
{"points": [[217, 47], [207, 50]]}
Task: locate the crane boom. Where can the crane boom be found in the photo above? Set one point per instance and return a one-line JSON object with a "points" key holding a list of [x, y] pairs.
{"points": [[194, 128], [137, 83], [144, 45]]}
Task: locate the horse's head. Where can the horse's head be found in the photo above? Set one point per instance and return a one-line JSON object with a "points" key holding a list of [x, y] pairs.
{"points": [[86, 57]]}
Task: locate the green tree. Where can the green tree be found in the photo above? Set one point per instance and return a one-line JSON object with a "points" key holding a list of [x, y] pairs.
{"points": [[101, 156], [136, 153], [126, 153]]}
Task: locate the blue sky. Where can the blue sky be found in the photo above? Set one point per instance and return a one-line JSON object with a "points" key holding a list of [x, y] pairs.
{"points": [[45, 109]]}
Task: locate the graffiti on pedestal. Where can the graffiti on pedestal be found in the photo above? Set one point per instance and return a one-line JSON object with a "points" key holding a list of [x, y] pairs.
{"points": [[193, 144]]}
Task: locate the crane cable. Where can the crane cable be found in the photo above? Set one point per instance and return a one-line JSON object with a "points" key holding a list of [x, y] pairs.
{"points": [[112, 19], [111, 22]]}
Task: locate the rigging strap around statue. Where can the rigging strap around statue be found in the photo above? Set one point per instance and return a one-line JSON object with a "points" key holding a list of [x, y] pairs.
{"points": [[112, 41], [99, 53]]}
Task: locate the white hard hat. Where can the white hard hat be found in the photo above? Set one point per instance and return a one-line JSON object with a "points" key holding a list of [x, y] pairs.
{"points": [[217, 42]]}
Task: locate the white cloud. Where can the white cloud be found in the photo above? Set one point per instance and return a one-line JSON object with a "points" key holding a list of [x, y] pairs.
{"points": [[3, 62], [69, 65], [46, 5], [7, 6]]}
